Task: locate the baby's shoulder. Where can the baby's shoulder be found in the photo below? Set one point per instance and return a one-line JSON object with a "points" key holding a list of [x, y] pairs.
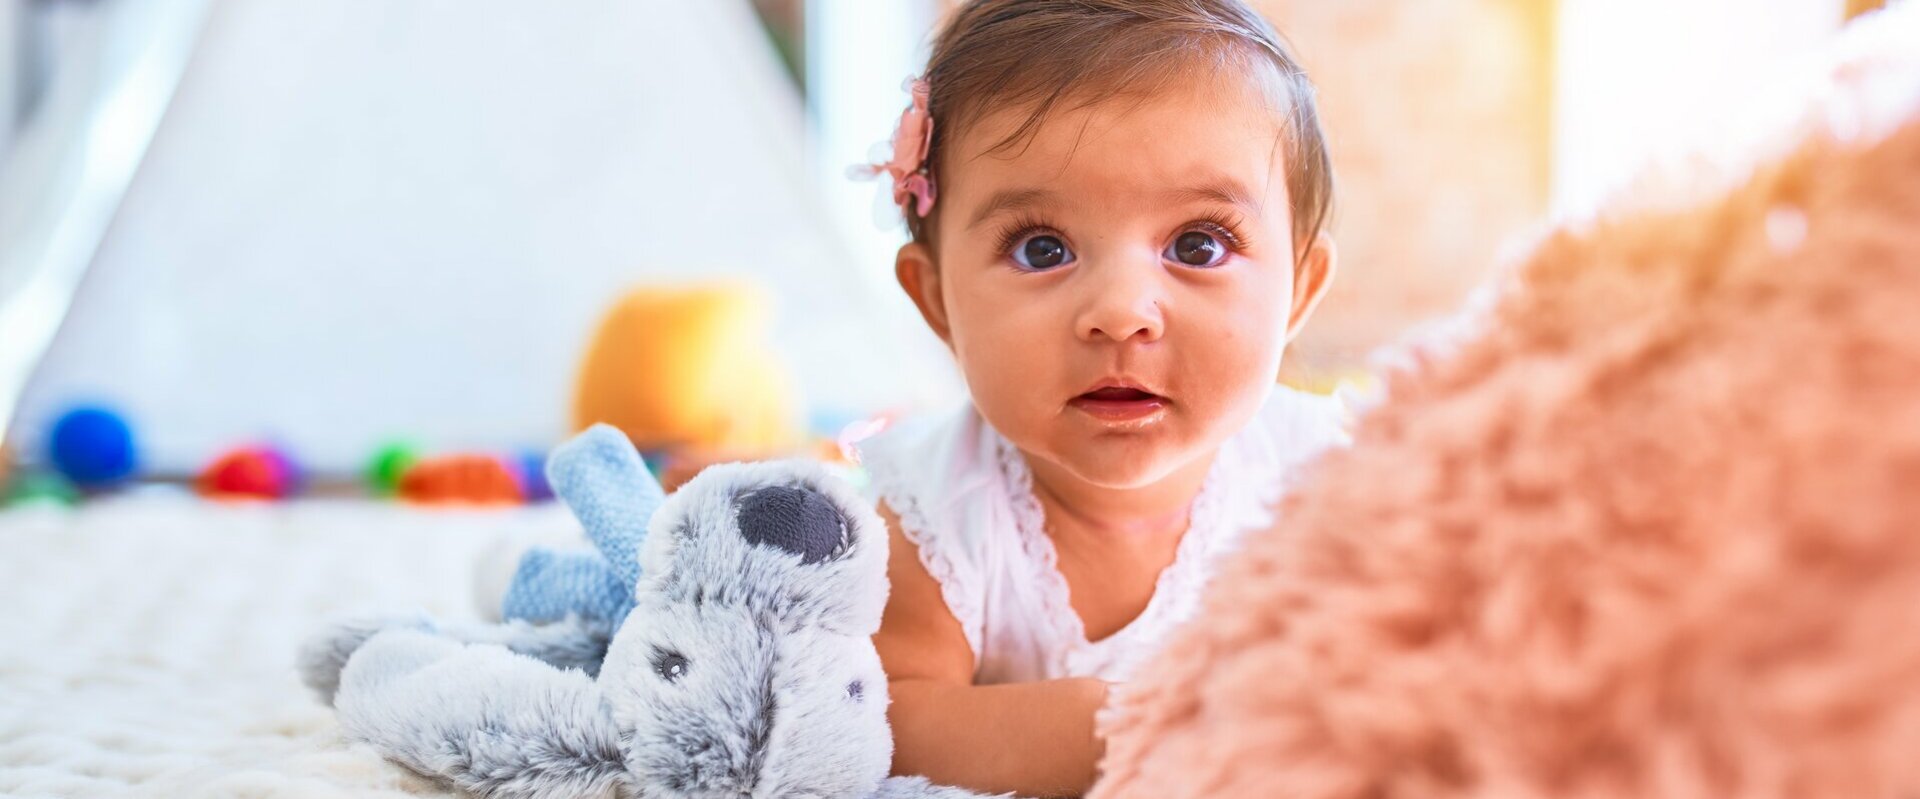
{"points": [[940, 477], [928, 469]]}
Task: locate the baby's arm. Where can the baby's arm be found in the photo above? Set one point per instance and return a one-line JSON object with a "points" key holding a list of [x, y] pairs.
{"points": [[1033, 739]]}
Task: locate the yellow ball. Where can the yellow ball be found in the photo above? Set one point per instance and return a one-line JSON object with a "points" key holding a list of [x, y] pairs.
{"points": [[688, 367]]}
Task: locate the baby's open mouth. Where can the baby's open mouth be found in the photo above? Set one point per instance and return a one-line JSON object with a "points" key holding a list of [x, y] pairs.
{"points": [[1119, 403], [1118, 394]]}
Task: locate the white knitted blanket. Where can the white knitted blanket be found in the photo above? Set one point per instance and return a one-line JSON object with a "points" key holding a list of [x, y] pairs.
{"points": [[147, 643]]}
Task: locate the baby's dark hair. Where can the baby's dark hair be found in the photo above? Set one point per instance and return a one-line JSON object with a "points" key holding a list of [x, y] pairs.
{"points": [[1042, 53]]}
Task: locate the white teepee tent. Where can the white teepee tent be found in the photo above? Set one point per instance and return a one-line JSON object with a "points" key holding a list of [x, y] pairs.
{"points": [[369, 218]]}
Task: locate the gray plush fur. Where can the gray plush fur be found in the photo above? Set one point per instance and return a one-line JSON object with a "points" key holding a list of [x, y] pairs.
{"points": [[745, 670]]}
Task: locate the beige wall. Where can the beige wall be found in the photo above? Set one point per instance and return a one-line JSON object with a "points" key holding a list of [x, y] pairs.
{"points": [[1438, 114]]}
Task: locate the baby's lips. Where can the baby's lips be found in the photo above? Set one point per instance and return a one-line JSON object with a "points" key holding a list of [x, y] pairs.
{"points": [[1120, 394], [1120, 388]]}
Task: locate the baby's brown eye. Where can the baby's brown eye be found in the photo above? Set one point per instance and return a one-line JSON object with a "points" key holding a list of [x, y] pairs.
{"points": [[1196, 248], [1042, 252]]}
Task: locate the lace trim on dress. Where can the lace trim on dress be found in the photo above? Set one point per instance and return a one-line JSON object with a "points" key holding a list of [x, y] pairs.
{"points": [[1206, 530], [963, 600]]}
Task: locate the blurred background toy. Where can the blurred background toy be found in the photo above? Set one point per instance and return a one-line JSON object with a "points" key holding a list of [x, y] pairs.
{"points": [[259, 471], [33, 487], [461, 479], [392, 460], [93, 447], [530, 466], [688, 368]]}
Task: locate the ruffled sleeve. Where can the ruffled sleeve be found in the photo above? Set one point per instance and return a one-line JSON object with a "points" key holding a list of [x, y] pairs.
{"points": [[926, 470]]}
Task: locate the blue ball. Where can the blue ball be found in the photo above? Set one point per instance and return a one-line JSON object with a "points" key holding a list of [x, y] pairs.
{"points": [[531, 467], [93, 447]]}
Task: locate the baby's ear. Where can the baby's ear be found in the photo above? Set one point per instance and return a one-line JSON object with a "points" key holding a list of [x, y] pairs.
{"points": [[785, 538], [1313, 274]]}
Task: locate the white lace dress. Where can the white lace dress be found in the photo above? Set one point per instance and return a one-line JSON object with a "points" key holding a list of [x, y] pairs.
{"points": [[964, 498]]}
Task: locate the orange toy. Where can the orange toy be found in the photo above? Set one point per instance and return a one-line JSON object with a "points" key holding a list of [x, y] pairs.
{"points": [[460, 480], [688, 368]]}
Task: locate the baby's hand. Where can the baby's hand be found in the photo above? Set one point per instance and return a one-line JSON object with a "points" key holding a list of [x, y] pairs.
{"points": [[325, 654]]}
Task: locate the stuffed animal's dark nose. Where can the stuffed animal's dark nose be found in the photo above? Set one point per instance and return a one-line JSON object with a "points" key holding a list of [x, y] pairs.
{"points": [[799, 520]]}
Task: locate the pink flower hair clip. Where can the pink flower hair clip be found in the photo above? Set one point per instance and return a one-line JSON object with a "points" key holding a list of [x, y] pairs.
{"points": [[912, 183]]}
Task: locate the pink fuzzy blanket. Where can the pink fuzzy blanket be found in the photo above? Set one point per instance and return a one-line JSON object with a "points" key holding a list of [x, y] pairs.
{"points": [[1653, 532]]}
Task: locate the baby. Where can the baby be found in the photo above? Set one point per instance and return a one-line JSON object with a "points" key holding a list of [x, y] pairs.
{"points": [[1117, 211]]}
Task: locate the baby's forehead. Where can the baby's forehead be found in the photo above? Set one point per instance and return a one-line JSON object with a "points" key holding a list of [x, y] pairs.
{"points": [[1183, 133], [1250, 105]]}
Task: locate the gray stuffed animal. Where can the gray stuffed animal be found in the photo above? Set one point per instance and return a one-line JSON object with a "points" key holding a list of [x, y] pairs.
{"points": [[745, 668]]}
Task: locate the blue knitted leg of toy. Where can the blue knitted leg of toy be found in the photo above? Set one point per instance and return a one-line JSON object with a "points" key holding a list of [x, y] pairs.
{"points": [[603, 480], [550, 586]]}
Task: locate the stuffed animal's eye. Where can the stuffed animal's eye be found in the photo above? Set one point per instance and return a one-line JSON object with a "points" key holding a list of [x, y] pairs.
{"points": [[856, 689], [670, 666]]}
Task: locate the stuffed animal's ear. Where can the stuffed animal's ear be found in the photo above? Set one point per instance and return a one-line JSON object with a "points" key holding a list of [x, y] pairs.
{"points": [[784, 537], [602, 479]]}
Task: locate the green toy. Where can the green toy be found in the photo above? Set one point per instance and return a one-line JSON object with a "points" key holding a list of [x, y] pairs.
{"points": [[388, 464], [36, 487]]}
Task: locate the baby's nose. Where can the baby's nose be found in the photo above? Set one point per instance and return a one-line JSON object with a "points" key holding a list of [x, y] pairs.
{"points": [[1124, 304], [795, 518]]}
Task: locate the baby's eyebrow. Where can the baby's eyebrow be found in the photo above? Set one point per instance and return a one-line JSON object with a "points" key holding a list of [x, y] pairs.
{"points": [[1010, 200], [1224, 191], [1227, 192]]}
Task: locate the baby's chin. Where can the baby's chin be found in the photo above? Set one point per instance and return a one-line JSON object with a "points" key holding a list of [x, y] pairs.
{"points": [[1125, 461]]}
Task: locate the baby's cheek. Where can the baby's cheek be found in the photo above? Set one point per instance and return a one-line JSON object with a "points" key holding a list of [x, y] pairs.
{"points": [[1008, 385], [1233, 358], [1234, 374], [1252, 349], [1004, 350]]}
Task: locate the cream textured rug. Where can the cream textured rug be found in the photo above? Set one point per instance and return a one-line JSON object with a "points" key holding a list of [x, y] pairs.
{"points": [[147, 643]]}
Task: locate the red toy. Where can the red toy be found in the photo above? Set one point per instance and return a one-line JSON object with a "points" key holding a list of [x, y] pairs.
{"points": [[249, 473]]}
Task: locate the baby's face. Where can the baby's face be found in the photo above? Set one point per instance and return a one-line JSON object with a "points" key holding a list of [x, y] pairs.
{"points": [[1118, 292]]}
